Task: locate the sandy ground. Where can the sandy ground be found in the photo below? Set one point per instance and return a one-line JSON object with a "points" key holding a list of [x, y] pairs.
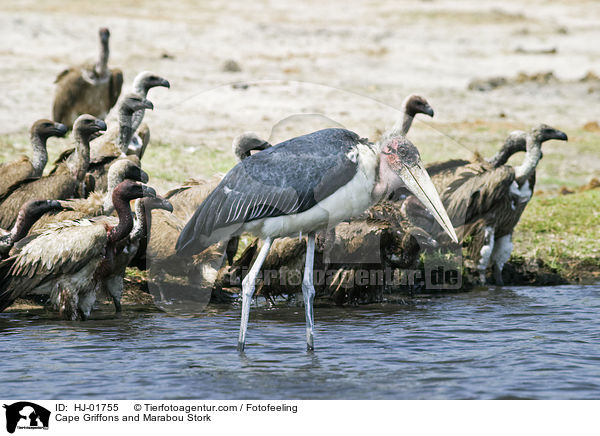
{"points": [[352, 62]]}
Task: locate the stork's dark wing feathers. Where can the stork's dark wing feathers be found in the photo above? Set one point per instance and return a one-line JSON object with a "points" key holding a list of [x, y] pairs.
{"points": [[288, 178]]}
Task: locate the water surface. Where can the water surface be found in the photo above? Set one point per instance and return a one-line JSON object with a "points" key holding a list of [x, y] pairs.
{"points": [[518, 342]]}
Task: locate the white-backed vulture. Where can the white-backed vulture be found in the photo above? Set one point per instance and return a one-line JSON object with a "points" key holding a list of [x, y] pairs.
{"points": [[12, 173], [495, 198], [71, 261], [87, 89], [65, 181]]}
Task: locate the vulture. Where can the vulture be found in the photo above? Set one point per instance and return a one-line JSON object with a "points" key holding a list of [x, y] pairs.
{"points": [[67, 179], [142, 84], [29, 213], [96, 203], [486, 202], [111, 146], [15, 172], [138, 236], [87, 89], [73, 260]]}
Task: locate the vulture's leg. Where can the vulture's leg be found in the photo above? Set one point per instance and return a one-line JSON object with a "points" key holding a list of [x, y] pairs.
{"points": [[486, 252], [308, 290], [248, 286], [502, 250]]}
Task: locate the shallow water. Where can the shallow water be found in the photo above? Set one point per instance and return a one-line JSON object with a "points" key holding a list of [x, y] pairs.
{"points": [[518, 342]]}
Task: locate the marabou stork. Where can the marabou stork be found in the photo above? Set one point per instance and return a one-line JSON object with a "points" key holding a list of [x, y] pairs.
{"points": [[301, 185]]}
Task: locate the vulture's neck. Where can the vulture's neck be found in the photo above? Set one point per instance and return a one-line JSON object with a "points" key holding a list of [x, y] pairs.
{"points": [[102, 64], [401, 127], [79, 161], [143, 221], [509, 148], [108, 206], [123, 229], [125, 129], [532, 157], [40, 154], [23, 224], [138, 116]]}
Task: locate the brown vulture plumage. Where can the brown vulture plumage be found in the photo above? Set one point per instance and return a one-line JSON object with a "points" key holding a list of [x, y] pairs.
{"points": [[65, 181], [87, 89], [73, 260]]}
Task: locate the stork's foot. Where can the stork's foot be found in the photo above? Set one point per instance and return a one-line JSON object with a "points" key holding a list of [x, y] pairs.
{"points": [[241, 346], [310, 341]]}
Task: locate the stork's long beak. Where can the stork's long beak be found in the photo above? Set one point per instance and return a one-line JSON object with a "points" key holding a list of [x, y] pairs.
{"points": [[417, 180]]}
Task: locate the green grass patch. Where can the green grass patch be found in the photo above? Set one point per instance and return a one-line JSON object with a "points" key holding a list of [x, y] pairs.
{"points": [[561, 229]]}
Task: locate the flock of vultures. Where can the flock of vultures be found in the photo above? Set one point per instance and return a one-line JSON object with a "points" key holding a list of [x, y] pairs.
{"points": [[326, 201]]}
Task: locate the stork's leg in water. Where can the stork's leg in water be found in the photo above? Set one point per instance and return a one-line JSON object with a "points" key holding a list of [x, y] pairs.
{"points": [[248, 286], [308, 290], [502, 249]]}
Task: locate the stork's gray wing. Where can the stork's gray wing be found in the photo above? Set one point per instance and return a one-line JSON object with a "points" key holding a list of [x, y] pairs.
{"points": [[286, 179]]}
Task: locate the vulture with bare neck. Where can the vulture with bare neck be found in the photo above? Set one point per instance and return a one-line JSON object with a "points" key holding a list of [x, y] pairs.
{"points": [[73, 260], [66, 180], [486, 202], [15, 172], [87, 89], [142, 84]]}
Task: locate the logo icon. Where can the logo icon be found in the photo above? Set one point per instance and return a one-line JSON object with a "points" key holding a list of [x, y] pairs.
{"points": [[26, 415]]}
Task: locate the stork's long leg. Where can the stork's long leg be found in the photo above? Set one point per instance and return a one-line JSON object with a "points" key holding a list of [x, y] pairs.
{"points": [[248, 286], [308, 290]]}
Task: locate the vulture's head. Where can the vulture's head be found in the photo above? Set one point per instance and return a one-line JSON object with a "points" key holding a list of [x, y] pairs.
{"points": [[104, 35], [146, 80], [87, 125], [36, 208], [158, 202], [246, 142], [44, 129], [544, 132], [133, 102], [129, 190], [415, 104], [124, 169]]}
